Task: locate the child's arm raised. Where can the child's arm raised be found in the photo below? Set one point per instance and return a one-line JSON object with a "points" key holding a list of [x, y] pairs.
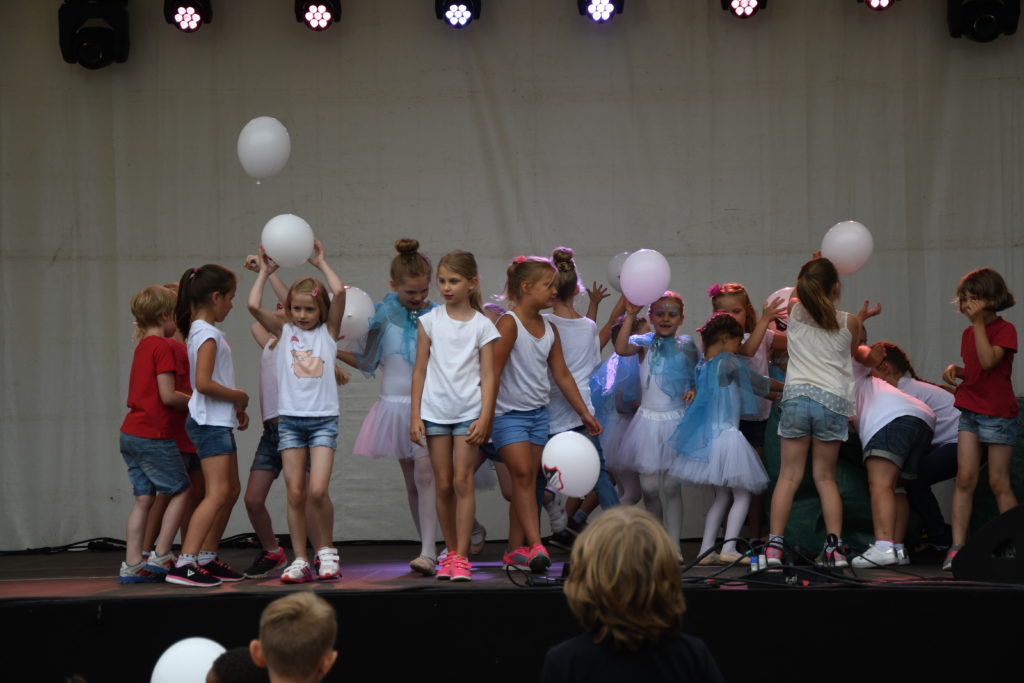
{"points": [[480, 429], [596, 293], [605, 334], [270, 322], [252, 262], [565, 381], [337, 287], [622, 345], [771, 309], [206, 359], [988, 355], [417, 432]]}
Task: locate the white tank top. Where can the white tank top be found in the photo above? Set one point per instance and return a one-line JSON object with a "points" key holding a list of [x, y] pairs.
{"points": [[524, 380], [820, 366]]}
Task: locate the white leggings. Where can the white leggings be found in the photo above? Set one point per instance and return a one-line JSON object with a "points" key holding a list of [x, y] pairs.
{"points": [[662, 485], [740, 499]]}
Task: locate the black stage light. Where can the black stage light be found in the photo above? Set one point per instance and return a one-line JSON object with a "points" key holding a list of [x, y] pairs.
{"points": [[877, 5], [600, 11], [93, 33], [318, 15], [457, 13], [188, 15], [982, 20], [744, 9]]}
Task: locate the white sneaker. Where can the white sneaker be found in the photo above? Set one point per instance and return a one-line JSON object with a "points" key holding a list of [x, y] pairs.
{"points": [[873, 557], [901, 556], [556, 512], [298, 571], [330, 567]]}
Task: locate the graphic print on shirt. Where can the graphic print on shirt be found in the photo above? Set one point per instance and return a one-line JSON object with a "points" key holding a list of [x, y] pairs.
{"points": [[304, 364]]}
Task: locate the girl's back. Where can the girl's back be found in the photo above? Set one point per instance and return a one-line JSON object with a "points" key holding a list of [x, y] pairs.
{"points": [[820, 364]]}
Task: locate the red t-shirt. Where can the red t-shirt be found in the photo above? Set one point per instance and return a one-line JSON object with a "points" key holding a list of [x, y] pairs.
{"points": [[147, 416], [988, 392], [182, 384]]}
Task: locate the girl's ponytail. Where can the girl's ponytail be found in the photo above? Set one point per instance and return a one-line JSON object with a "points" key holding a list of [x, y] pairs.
{"points": [[814, 286], [196, 287]]}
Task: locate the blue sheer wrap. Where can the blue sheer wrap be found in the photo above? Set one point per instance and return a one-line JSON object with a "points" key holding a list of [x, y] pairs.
{"points": [[726, 391], [389, 312], [672, 361], [615, 386]]}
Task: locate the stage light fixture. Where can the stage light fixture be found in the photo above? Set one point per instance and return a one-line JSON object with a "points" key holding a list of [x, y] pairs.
{"points": [[744, 9], [319, 15], [188, 15], [600, 11], [877, 5], [457, 13], [93, 33], [982, 20]]}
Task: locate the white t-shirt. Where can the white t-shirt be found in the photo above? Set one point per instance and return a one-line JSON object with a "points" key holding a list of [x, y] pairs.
{"points": [[879, 403], [305, 372], [759, 364], [451, 390], [582, 351], [268, 380], [524, 379], [204, 409], [947, 418]]}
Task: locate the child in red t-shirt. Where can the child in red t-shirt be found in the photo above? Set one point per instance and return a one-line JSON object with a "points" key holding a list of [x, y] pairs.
{"points": [[147, 435], [988, 408]]}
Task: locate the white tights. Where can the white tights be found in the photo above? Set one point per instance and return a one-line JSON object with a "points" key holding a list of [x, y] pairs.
{"points": [[740, 499], [664, 486], [419, 488], [629, 486]]}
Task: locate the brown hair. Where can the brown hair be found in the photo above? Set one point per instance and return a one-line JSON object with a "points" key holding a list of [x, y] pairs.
{"points": [[196, 287], [716, 292], [149, 305], [296, 631], [624, 585], [897, 358], [522, 270], [463, 263], [719, 325], [568, 280], [409, 263], [989, 285], [621, 320], [814, 285], [312, 287]]}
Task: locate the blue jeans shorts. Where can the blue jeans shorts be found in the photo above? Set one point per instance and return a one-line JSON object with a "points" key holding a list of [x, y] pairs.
{"points": [[903, 442], [307, 432], [803, 416], [210, 440], [1000, 430], [268, 457], [521, 425], [154, 465], [453, 429]]}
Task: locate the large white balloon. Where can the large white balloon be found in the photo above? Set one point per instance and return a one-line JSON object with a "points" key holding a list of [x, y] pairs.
{"points": [[187, 661], [571, 464], [264, 147], [288, 240], [358, 311], [785, 293], [848, 245], [615, 270], [645, 276]]}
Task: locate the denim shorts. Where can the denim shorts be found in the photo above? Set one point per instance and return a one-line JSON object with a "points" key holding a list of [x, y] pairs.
{"points": [[803, 416], [1000, 430], [754, 431], [453, 429], [903, 442], [268, 457], [210, 440], [307, 432], [521, 425], [154, 465]]}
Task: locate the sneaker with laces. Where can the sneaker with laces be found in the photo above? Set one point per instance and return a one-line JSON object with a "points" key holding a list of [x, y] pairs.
{"points": [[902, 558], [265, 563], [517, 559], [159, 564], [298, 571], [137, 573], [222, 570], [873, 557], [831, 557], [773, 555], [947, 564], [424, 565], [445, 571], [478, 540], [192, 575], [461, 569], [330, 566], [539, 559]]}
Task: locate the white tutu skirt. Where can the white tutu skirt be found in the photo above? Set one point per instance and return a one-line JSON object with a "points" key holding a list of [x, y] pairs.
{"points": [[614, 427], [644, 447], [730, 462], [385, 431]]}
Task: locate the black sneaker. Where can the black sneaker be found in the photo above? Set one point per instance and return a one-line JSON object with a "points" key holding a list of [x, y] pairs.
{"points": [[222, 570], [265, 563], [191, 575], [563, 539]]}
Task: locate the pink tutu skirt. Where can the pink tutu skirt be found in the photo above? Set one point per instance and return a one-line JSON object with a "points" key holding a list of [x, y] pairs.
{"points": [[385, 431]]}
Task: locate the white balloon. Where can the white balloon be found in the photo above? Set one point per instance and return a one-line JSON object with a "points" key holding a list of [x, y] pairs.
{"points": [[785, 293], [288, 240], [358, 311], [571, 464], [645, 276], [187, 661], [264, 147], [848, 245], [615, 270]]}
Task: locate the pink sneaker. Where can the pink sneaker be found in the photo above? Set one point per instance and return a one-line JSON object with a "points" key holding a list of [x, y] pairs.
{"points": [[773, 553], [461, 569], [445, 571], [539, 559], [517, 559]]}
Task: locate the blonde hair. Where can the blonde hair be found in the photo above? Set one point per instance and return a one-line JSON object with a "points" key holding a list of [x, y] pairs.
{"points": [[568, 281], [409, 263], [463, 264], [149, 305], [522, 270], [296, 631], [716, 292], [315, 289], [624, 585], [814, 285]]}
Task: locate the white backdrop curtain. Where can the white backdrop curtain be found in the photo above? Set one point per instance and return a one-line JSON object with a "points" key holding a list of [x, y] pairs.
{"points": [[731, 146]]}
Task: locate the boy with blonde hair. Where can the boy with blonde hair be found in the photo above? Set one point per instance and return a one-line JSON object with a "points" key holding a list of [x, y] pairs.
{"points": [[296, 642]]}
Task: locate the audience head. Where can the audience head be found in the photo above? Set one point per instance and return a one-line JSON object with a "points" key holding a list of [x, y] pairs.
{"points": [[297, 634]]}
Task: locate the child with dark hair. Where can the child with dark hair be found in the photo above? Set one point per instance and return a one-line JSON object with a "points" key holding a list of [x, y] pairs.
{"points": [[236, 666]]}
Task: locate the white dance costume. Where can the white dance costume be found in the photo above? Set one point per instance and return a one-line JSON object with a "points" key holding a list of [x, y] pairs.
{"points": [[615, 393]]}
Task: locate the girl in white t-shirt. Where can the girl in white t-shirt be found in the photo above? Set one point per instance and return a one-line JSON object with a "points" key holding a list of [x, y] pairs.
{"points": [[453, 391], [216, 407], [307, 402]]}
